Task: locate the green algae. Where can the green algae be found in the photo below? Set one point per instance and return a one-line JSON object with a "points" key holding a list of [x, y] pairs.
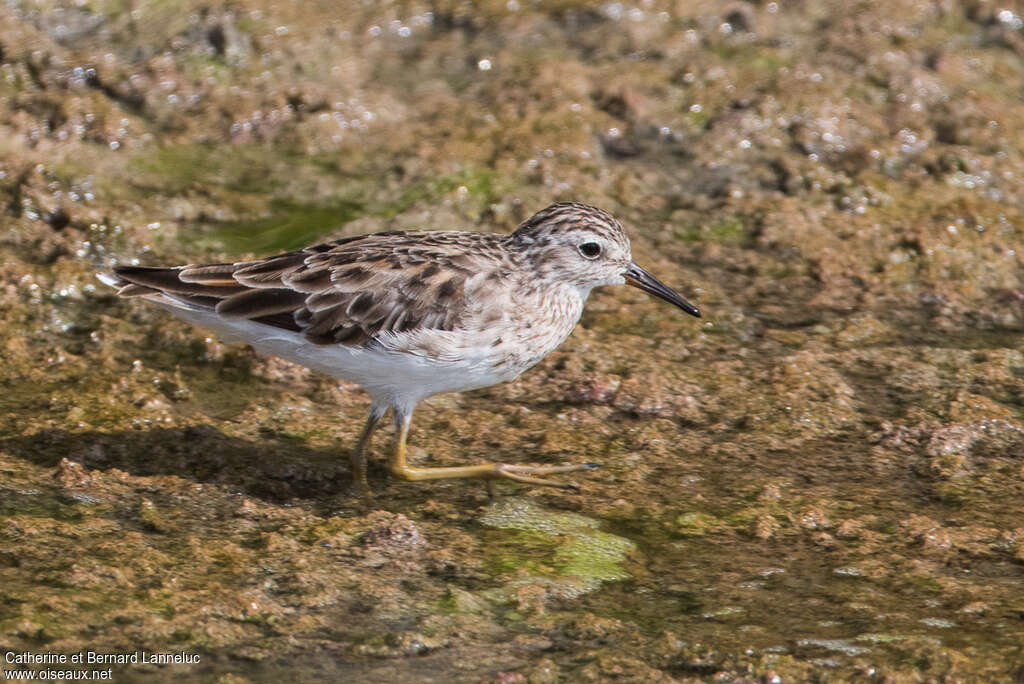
{"points": [[479, 183], [579, 556], [282, 189], [728, 232], [289, 226], [177, 168], [695, 524]]}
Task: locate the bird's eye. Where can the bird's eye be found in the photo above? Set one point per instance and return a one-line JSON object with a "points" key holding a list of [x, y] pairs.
{"points": [[590, 250]]}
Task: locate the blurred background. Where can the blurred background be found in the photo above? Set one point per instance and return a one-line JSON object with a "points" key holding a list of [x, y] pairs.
{"points": [[820, 480]]}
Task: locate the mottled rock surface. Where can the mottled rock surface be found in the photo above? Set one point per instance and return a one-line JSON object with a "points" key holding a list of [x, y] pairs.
{"points": [[820, 480]]}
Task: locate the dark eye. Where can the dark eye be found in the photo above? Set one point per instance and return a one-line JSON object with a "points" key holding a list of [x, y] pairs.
{"points": [[590, 250]]}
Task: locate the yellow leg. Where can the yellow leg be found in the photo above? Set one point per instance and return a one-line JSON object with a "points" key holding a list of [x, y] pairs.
{"points": [[358, 456], [518, 473]]}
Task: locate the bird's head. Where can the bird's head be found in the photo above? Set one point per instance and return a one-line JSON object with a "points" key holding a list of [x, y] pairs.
{"points": [[587, 247]]}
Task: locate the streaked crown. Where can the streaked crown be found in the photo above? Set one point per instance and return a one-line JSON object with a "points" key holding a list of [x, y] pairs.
{"points": [[564, 217]]}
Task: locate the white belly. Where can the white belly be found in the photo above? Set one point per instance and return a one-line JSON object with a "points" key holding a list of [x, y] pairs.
{"points": [[390, 377]]}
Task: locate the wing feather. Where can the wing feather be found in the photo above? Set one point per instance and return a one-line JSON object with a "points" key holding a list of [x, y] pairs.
{"points": [[209, 274], [270, 272], [256, 303], [349, 291]]}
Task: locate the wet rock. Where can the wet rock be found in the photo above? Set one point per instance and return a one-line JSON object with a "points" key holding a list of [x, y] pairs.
{"points": [[73, 475], [812, 394], [765, 526], [618, 146], [695, 524], [650, 395], [594, 390], [151, 517], [970, 407], [837, 186], [9, 560], [414, 643], [960, 449], [392, 538], [938, 539], [58, 219], [508, 678], [465, 602], [617, 666], [215, 33], [69, 25], [589, 627], [740, 17], [861, 331], [531, 598], [544, 671]]}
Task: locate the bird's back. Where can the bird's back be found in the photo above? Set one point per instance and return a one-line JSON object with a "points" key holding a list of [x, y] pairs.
{"points": [[347, 292]]}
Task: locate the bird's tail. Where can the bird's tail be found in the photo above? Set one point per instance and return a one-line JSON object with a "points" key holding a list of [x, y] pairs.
{"points": [[175, 287], [208, 288]]}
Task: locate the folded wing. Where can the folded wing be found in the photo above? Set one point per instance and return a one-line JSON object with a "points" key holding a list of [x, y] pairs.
{"points": [[345, 292]]}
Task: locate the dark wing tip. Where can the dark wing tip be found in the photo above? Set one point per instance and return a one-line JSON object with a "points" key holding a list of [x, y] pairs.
{"points": [[260, 303]]}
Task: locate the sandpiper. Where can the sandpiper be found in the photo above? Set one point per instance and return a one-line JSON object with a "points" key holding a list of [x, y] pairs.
{"points": [[407, 315]]}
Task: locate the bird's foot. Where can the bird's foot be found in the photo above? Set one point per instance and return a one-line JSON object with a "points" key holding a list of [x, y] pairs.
{"points": [[495, 471], [527, 474]]}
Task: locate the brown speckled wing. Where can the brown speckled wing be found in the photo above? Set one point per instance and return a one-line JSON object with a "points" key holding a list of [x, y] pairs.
{"points": [[345, 292]]}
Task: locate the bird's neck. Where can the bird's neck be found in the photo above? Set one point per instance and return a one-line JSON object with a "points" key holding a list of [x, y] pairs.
{"points": [[549, 311]]}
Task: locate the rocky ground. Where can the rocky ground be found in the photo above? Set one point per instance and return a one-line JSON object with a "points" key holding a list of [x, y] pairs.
{"points": [[822, 480]]}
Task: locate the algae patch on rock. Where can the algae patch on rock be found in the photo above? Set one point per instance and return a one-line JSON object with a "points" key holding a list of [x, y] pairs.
{"points": [[579, 559]]}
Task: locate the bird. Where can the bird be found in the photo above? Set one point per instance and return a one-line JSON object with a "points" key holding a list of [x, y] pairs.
{"points": [[411, 314]]}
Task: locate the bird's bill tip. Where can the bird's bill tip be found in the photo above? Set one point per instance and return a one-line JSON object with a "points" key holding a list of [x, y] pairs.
{"points": [[641, 279]]}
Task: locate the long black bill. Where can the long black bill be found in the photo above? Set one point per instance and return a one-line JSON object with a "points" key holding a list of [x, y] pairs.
{"points": [[638, 277]]}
